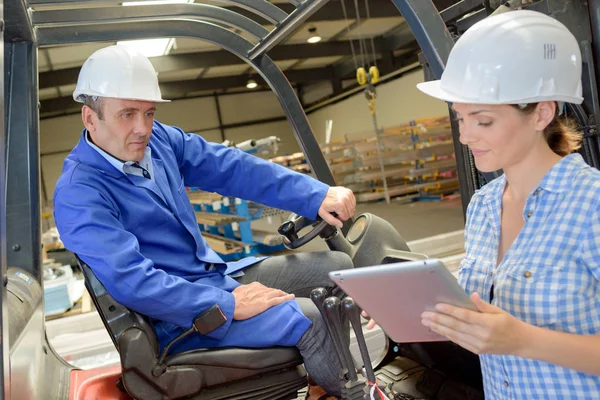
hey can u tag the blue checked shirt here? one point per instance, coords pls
(549, 277)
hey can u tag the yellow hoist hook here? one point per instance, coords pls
(361, 76)
(374, 73)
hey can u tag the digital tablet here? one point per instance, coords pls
(395, 295)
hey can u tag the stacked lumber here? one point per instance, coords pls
(223, 245)
(200, 198)
(215, 219)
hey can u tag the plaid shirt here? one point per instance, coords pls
(549, 277)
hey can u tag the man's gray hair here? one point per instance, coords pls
(95, 103)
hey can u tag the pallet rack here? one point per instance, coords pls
(226, 224)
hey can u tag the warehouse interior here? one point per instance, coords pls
(353, 67)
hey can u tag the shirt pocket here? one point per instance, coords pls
(531, 293)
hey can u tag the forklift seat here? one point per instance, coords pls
(204, 374)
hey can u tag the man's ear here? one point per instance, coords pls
(89, 118)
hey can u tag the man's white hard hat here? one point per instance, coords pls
(119, 72)
(517, 57)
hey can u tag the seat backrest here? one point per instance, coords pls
(116, 317)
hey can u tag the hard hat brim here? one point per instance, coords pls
(434, 89)
(80, 98)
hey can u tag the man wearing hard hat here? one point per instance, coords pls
(121, 206)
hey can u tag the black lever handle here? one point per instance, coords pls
(352, 311)
(318, 297)
(333, 313)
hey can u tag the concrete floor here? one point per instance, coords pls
(415, 220)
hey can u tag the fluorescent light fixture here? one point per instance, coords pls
(150, 47)
(154, 2)
(251, 84)
(314, 36)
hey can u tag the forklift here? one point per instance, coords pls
(31, 368)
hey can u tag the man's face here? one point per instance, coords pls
(125, 129)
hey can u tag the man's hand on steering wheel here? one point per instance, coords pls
(341, 201)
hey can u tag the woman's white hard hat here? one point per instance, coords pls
(118, 72)
(516, 57)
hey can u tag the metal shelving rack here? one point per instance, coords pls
(412, 157)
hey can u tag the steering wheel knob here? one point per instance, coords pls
(288, 229)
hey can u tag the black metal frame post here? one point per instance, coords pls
(436, 42)
(23, 158)
(4, 347)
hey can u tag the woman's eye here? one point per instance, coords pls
(485, 124)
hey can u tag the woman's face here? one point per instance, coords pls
(500, 136)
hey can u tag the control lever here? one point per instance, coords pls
(333, 313)
(352, 311)
(318, 297)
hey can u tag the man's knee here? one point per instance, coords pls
(336, 260)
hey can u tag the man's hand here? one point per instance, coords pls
(341, 201)
(255, 298)
(490, 331)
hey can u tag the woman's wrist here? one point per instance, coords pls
(526, 340)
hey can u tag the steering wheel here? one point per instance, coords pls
(294, 224)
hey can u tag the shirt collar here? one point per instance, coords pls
(560, 176)
(558, 179)
(115, 162)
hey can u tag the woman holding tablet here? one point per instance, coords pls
(532, 235)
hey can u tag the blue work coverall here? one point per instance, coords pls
(142, 241)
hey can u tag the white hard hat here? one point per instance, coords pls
(517, 57)
(119, 72)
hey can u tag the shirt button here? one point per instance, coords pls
(527, 274)
(506, 383)
(529, 214)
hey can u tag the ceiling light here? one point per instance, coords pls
(150, 47)
(154, 2)
(251, 84)
(314, 36)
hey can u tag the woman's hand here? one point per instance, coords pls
(489, 331)
(371, 324)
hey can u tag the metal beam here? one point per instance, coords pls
(208, 59)
(294, 76)
(252, 8)
(430, 31)
(273, 14)
(177, 89)
(120, 13)
(289, 25)
(460, 9)
(23, 171)
(18, 26)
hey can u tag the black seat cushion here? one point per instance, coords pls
(241, 358)
(220, 366)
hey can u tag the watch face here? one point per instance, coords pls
(357, 230)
